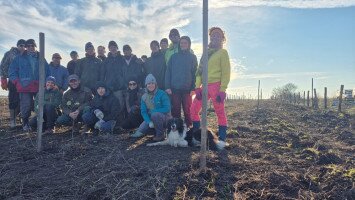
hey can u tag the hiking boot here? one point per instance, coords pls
(86, 129)
(26, 128)
(137, 134)
(158, 138)
(12, 119)
(48, 131)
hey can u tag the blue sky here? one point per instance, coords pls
(275, 41)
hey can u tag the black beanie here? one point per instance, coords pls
(112, 43)
(31, 41)
(21, 41)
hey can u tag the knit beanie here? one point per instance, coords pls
(150, 79)
(21, 41)
(31, 41)
(50, 78)
(88, 45)
(112, 43)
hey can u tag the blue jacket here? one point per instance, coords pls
(24, 72)
(180, 72)
(60, 74)
(161, 104)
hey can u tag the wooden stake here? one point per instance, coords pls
(258, 95)
(203, 153)
(315, 103)
(325, 98)
(308, 98)
(312, 92)
(340, 97)
(41, 92)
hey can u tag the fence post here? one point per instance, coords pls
(40, 92)
(304, 98)
(340, 97)
(315, 103)
(312, 93)
(258, 94)
(308, 98)
(325, 98)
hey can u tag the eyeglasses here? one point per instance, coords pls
(132, 84)
(22, 45)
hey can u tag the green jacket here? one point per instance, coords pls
(75, 100)
(51, 97)
(89, 70)
(170, 51)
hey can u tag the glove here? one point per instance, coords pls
(151, 125)
(198, 92)
(4, 83)
(221, 96)
(98, 124)
(99, 114)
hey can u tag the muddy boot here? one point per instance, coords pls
(12, 119)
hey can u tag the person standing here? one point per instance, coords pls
(24, 74)
(132, 66)
(101, 51)
(89, 68)
(180, 79)
(112, 76)
(59, 72)
(156, 65)
(72, 64)
(164, 44)
(6, 84)
(218, 78)
(174, 37)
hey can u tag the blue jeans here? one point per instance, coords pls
(159, 120)
(90, 119)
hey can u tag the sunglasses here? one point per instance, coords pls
(132, 84)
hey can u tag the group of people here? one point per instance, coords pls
(118, 91)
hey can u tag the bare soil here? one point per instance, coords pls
(276, 152)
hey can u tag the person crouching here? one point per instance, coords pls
(52, 99)
(104, 110)
(155, 110)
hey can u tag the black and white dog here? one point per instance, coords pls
(193, 137)
(176, 134)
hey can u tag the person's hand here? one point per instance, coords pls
(4, 83)
(168, 91)
(151, 124)
(198, 92)
(221, 96)
(99, 114)
(74, 114)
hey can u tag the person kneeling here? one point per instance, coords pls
(74, 103)
(155, 109)
(104, 110)
(52, 99)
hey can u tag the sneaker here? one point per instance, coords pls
(137, 134)
(222, 144)
(48, 131)
(26, 128)
(86, 129)
(158, 138)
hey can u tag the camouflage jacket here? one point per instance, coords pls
(6, 61)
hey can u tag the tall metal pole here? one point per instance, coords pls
(205, 90)
(41, 92)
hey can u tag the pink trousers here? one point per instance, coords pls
(213, 89)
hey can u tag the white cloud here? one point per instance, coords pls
(283, 3)
(99, 21)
